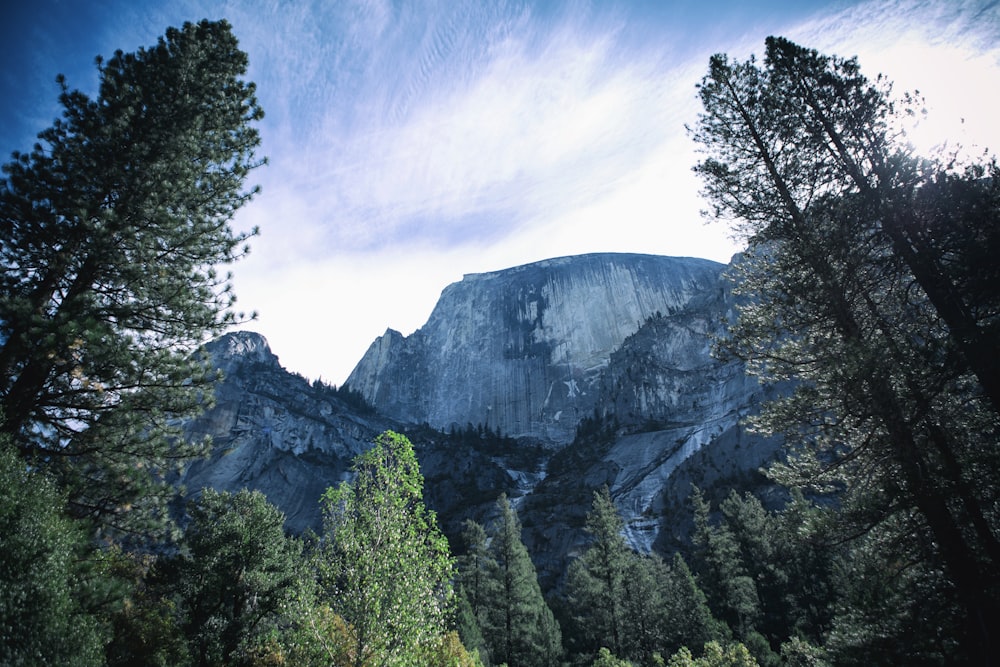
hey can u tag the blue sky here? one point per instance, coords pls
(413, 142)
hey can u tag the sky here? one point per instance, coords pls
(411, 143)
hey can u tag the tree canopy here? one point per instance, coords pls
(384, 565)
(111, 233)
(858, 298)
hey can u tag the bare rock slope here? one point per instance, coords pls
(523, 350)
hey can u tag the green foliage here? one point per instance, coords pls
(42, 621)
(474, 587)
(728, 586)
(147, 628)
(384, 565)
(889, 347)
(607, 659)
(596, 582)
(639, 604)
(237, 573)
(687, 618)
(516, 624)
(112, 230)
(716, 655)
(449, 651)
(792, 571)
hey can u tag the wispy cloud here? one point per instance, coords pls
(413, 142)
(532, 120)
(409, 148)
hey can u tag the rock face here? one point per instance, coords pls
(523, 350)
(274, 432)
(574, 372)
(668, 417)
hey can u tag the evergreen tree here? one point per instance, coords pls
(146, 628)
(596, 581)
(42, 621)
(886, 343)
(473, 587)
(111, 230)
(686, 617)
(731, 592)
(520, 629)
(888, 606)
(236, 573)
(384, 565)
(642, 606)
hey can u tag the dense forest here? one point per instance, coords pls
(868, 300)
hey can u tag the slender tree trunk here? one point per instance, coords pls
(983, 615)
(980, 352)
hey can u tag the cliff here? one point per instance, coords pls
(573, 373)
(523, 350)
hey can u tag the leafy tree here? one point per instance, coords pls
(384, 565)
(520, 629)
(449, 650)
(41, 619)
(112, 229)
(716, 655)
(893, 397)
(236, 573)
(606, 658)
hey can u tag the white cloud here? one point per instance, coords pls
(948, 51)
(408, 150)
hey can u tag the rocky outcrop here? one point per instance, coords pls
(275, 432)
(575, 373)
(523, 350)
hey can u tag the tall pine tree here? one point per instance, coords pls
(520, 629)
(111, 232)
(596, 580)
(887, 345)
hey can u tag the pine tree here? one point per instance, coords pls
(596, 581)
(473, 586)
(111, 231)
(384, 565)
(686, 617)
(782, 553)
(722, 574)
(520, 629)
(236, 573)
(894, 394)
(42, 620)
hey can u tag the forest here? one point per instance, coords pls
(868, 301)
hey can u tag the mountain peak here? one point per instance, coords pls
(522, 349)
(241, 347)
